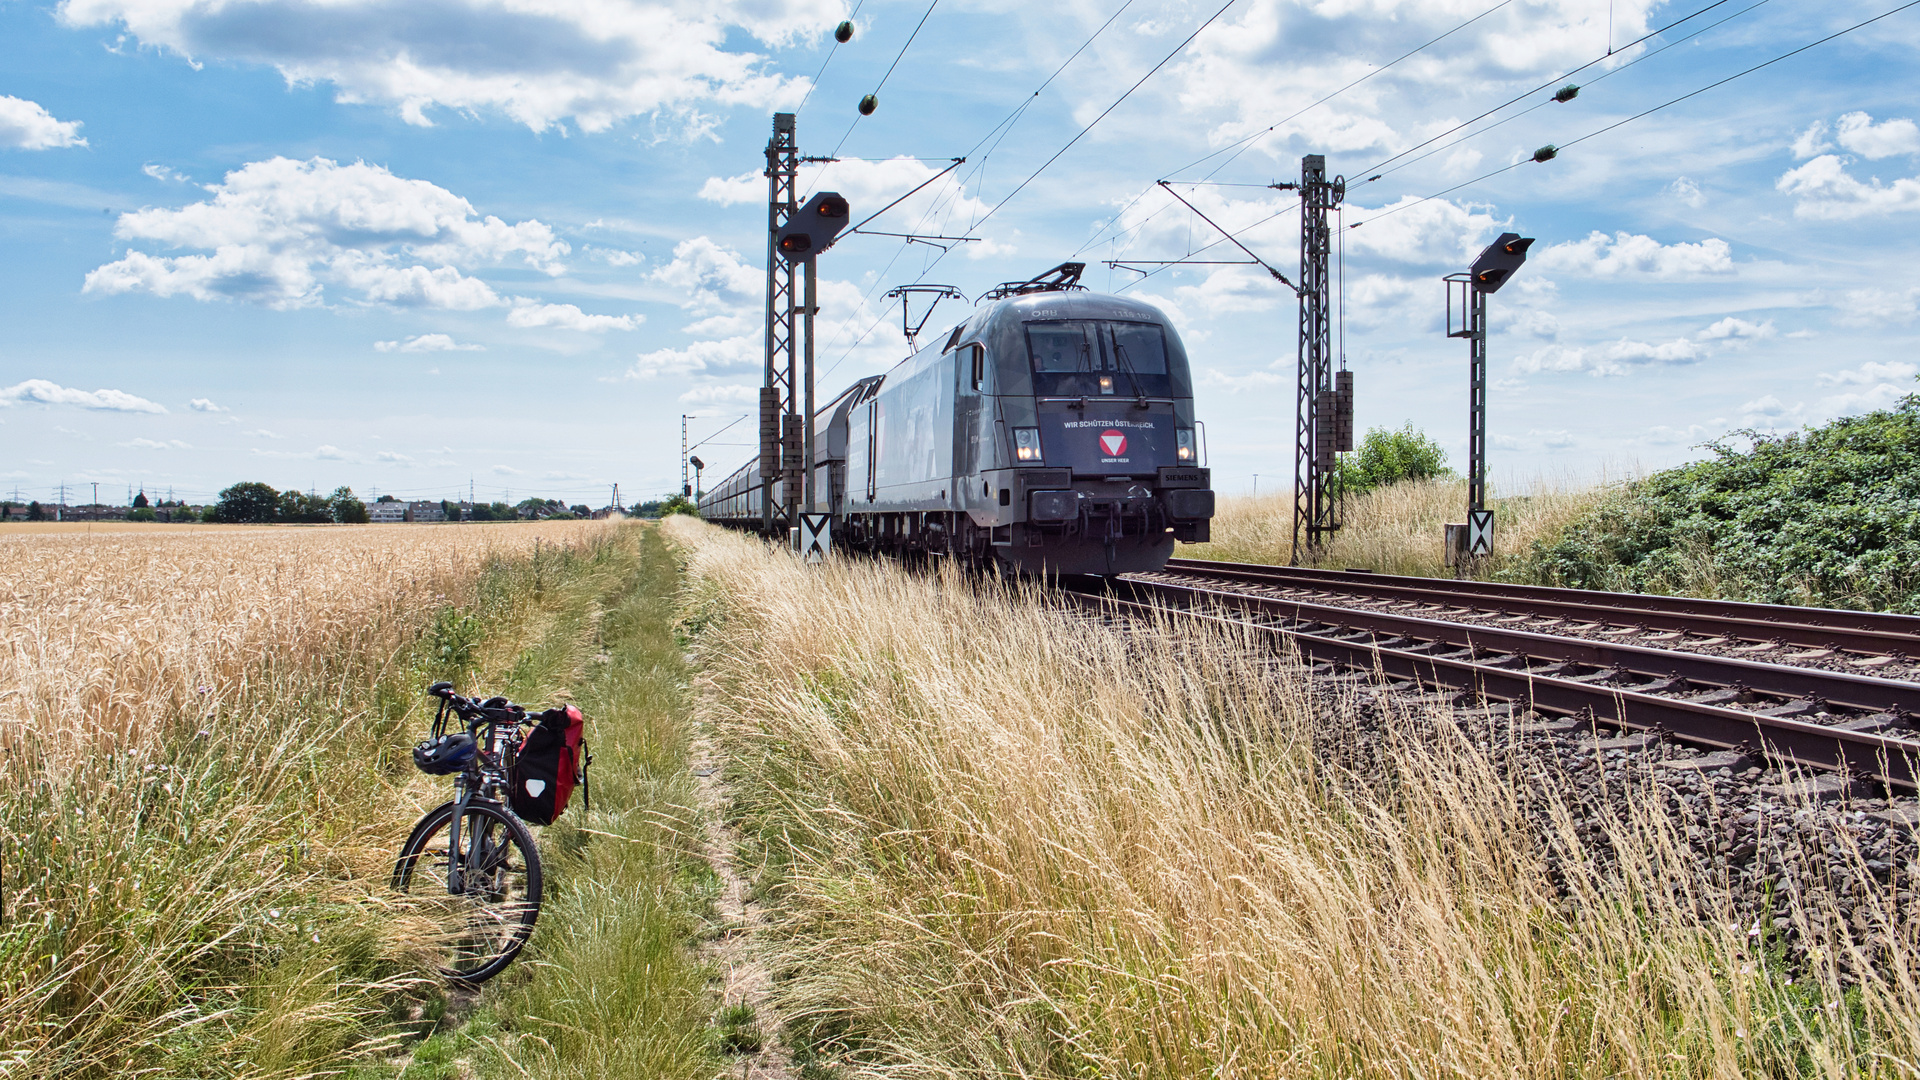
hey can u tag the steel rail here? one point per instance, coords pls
(1872, 633)
(1397, 645)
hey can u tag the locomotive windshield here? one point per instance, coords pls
(1088, 346)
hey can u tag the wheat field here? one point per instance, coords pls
(205, 780)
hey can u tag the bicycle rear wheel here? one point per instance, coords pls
(478, 931)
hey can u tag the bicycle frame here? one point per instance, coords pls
(486, 775)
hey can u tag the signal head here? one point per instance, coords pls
(1498, 261)
(812, 228)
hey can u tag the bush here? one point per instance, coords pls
(1828, 516)
(679, 504)
(1388, 457)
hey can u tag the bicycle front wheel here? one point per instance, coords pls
(478, 929)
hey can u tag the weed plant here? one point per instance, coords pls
(1003, 839)
(1399, 528)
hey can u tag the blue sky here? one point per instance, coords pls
(411, 247)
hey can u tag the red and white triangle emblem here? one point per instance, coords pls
(1113, 442)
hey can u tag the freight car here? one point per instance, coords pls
(1051, 432)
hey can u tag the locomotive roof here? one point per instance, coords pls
(1075, 305)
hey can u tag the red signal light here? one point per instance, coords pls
(796, 244)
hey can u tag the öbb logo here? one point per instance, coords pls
(1113, 442)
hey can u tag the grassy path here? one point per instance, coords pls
(613, 983)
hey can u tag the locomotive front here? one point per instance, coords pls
(1101, 472)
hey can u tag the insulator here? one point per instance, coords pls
(844, 32)
(868, 104)
(1546, 153)
(1566, 93)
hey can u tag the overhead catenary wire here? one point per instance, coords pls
(1558, 148)
(883, 79)
(1044, 165)
(1381, 167)
(1244, 140)
(815, 85)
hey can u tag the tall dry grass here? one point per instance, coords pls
(1004, 840)
(205, 781)
(1398, 529)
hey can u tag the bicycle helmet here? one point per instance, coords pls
(444, 755)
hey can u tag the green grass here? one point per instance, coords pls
(609, 986)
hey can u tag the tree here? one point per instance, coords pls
(300, 508)
(386, 498)
(345, 509)
(247, 503)
(679, 504)
(140, 500)
(35, 512)
(1388, 457)
(142, 513)
(582, 511)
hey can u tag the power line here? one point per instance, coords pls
(883, 79)
(1245, 140)
(1104, 112)
(1554, 151)
(1381, 166)
(815, 85)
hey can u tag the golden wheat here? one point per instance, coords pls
(102, 632)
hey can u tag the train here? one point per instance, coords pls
(1050, 433)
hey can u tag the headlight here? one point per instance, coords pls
(1026, 444)
(1183, 442)
(1106, 384)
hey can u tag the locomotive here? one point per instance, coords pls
(1052, 432)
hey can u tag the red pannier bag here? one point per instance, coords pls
(551, 761)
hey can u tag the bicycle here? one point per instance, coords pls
(474, 845)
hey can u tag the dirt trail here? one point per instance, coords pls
(746, 979)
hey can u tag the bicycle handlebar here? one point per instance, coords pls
(494, 708)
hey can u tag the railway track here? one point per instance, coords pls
(1550, 651)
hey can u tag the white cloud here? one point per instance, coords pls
(165, 175)
(1662, 435)
(201, 404)
(279, 231)
(1628, 253)
(1537, 323)
(713, 278)
(728, 356)
(1870, 373)
(1811, 141)
(1733, 328)
(155, 444)
(719, 394)
(1252, 380)
(1432, 233)
(1687, 191)
(263, 433)
(1827, 192)
(329, 453)
(389, 457)
(42, 392)
(614, 256)
(1874, 307)
(427, 343)
(1770, 413)
(594, 62)
(1858, 133)
(1536, 439)
(1612, 359)
(569, 317)
(24, 125)
(940, 207)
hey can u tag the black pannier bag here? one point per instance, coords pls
(552, 759)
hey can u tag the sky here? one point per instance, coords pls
(433, 247)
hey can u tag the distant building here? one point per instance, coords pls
(386, 512)
(425, 510)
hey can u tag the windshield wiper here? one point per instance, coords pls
(1120, 353)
